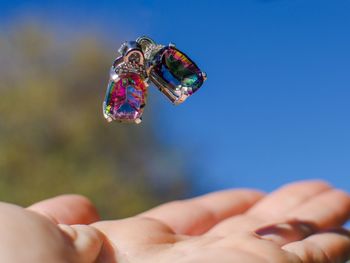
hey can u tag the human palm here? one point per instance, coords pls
(298, 223)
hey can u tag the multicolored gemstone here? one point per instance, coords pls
(125, 98)
(140, 63)
(176, 74)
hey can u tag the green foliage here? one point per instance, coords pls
(54, 140)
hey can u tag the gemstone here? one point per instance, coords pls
(125, 98)
(176, 73)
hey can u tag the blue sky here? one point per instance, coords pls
(275, 107)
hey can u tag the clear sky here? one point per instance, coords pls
(275, 107)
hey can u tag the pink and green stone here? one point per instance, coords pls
(176, 74)
(125, 98)
(178, 70)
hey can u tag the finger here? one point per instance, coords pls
(273, 208)
(250, 243)
(327, 210)
(278, 203)
(197, 215)
(323, 247)
(67, 209)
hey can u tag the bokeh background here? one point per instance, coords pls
(275, 107)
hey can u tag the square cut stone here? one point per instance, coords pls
(175, 74)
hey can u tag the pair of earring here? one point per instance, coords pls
(143, 62)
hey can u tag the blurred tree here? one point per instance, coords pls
(54, 140)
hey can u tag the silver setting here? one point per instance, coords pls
(142, 57)
(148, 46)
(204, 75)
(131, 60)
(127, 67)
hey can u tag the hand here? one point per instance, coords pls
(32, 235)
(300, 222)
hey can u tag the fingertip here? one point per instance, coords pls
(342, 195)
(90, 209)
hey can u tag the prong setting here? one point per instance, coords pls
(204, 75)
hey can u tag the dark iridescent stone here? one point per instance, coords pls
(125, 98)
(176, 73)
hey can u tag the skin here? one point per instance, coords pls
(300, 222)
